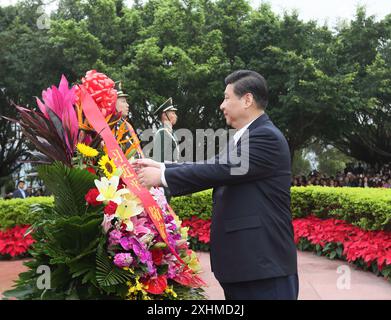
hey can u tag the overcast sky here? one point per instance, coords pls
(321, 10)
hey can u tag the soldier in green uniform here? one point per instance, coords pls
(165, 142)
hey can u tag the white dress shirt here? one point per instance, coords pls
(240, 132)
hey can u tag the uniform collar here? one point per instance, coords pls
(167, 125)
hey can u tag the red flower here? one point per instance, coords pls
(102, 91)
(157, 256)
(110, 208)
(91, 196)
(14, 243)
(156, 285)
(189, 279)
(121, 184)
(91, 170)
(198, 228)
(368, 246)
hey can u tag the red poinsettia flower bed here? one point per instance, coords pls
(370, 250)
(337, 238)
(13, 243)
(198, 228)
(199, 232)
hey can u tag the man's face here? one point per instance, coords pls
(233, 107)
(122, 106)
(21, 185)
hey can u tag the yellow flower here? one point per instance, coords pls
(107, 166)
(193, 262)
(135, 289)
(87, 150)
(170, 291)
(129, 207)
(128, 269)
(184, 232)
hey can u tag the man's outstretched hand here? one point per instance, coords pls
(149, 172)
(139, 163)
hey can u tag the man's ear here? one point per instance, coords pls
(248, 99)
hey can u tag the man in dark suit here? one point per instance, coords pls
(253, 254)
(19, 192)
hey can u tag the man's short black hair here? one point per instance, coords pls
(247, 81)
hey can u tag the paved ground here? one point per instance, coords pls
(319, 280)
(9, 271)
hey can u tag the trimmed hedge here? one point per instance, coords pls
(198, 204)
(369, 209)
(17, 212)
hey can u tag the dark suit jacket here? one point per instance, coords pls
(251, 233)
(18, 194)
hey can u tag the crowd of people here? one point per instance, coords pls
(353, 176)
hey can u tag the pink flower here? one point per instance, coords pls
(61, 102)
(122, 260)
(114, 237)
(139, 226)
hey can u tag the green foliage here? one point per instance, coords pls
(107, 273)
(198, 204)
(300, 165)
(367, 208)
(197, 245)
(67, 237)
(330, 159)
(69, 186)
(68, 246)
(70, 240)
(186, 294)
(21, 211)
(330, 84)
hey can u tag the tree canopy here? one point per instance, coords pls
(329, 84)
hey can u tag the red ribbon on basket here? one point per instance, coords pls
(129, 176)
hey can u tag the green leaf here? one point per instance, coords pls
(68, 185)
(107, 274)
(333, 255)
(339, 251)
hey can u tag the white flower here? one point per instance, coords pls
(108, 190)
